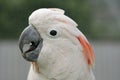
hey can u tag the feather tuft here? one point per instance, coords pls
(35, 67)
(87, 49)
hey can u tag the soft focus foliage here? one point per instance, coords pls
(14, 14)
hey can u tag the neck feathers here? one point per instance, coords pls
(87, 49)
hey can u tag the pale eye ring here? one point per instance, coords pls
(53, 32)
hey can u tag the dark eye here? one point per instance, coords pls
(53, 32)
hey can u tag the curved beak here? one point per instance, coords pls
(31, 37)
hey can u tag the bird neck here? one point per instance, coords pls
(34, 73)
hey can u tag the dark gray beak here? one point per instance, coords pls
(31, 37)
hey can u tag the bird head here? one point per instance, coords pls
(50, 31)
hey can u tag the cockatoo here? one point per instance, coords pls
(58, 49)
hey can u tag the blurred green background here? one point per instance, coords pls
(98, 19)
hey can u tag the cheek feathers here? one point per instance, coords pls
(87, 49)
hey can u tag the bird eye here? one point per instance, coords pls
(53, 32)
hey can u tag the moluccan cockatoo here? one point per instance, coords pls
(58, 50)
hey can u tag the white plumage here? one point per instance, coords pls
(65, 56)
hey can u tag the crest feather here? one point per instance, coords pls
(87, 49)
(57, 10)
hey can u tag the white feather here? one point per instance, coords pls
(61, 57)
